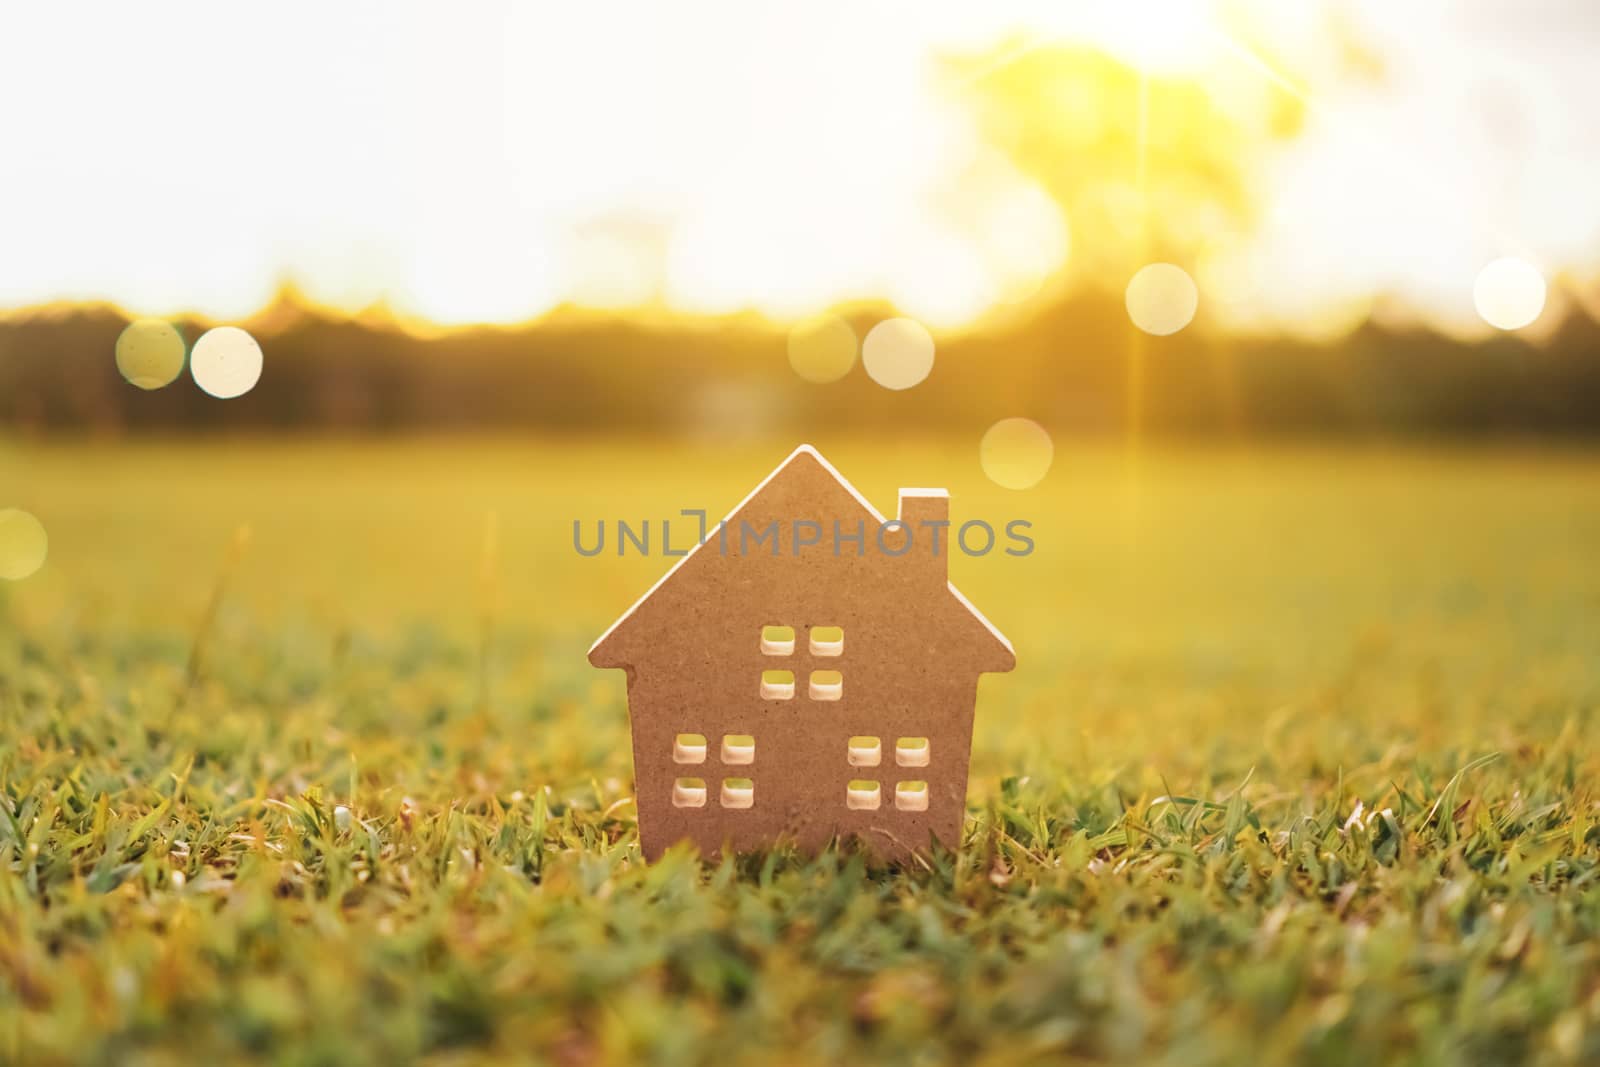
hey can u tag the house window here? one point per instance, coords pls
(911, 752)
(822, 641)
(689, 793)
(827, 640)
(911, 796)
(738, 748)
(777, 640)
(689, 748)
(777, 685)
(864, 752)
(827, 685)
(862, 795)
(738, 793)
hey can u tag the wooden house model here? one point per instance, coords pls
(806, 671)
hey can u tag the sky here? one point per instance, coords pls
(486, 162)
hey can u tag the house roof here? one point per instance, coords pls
(802, 454)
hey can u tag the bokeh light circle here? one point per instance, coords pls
(150, 353)
(226, 362)
(1016, 453)
(898, 353)
(822, 349)
(23, 544)
(1162, 298)
(1509, 293)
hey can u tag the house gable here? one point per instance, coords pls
(803, 542)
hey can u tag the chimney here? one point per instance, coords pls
(926, 513)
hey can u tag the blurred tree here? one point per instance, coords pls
(1143, 167)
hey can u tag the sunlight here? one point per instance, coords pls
(1016, 453)
(1509, 293)
(822, 349)
(492, 162)
(898, 353)
(23, 544)
(226, 362)
(150, 353)
(1155, 35)
(1161, 299)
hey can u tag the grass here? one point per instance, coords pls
(1298, 765)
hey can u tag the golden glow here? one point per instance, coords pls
(150, 353)
(23, 545)
(226, 362)
(490, 162)
(822, 349)
(898, 353)
(1016, 453)
(1509, 293)
(1156, 35)
(1161, 299)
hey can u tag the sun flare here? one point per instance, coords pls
(488, 165)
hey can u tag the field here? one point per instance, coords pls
(302, 762)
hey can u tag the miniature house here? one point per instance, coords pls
(806, 671)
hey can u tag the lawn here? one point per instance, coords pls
(302, 762)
